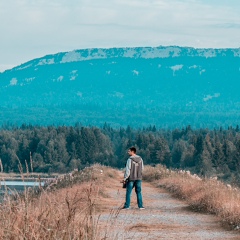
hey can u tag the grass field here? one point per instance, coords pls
(68, 207)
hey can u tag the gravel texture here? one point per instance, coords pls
(163, 218)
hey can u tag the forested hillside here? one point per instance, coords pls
(61, 149)
(165, 86)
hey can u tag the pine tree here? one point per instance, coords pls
(218, 156)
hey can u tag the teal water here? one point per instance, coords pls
(20, 183)
(17, 185)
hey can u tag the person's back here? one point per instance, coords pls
(133, 178)
(136, 168)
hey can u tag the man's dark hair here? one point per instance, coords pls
(133, 149)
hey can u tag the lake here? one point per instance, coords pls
(17, 185)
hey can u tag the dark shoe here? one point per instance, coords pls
(126, 208)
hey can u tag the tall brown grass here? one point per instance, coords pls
(202, 194)
(63, 209)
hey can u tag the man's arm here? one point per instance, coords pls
(128, 169)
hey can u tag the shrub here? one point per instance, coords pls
(207, 194)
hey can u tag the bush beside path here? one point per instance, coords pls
(165, 217)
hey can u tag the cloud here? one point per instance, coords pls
(31, 29)
(227, 25)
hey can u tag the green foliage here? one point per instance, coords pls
(53, 149)
(62, 149)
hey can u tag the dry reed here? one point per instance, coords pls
(205, 195)
(63, 209)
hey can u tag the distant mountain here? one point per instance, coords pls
(163, 86)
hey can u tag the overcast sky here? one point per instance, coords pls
(34, 28)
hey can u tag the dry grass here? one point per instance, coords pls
(151, 174)
(64, 209)
(208, 195)
(59, 215)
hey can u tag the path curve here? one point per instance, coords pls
(164, 217)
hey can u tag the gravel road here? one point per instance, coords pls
(163, 218)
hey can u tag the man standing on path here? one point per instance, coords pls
(133, 178)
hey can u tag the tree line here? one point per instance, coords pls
(64, 148)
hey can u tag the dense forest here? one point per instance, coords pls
(63, 148)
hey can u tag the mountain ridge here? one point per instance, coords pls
(131, 52)
(166, 86)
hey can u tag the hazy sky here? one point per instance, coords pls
(34, 28)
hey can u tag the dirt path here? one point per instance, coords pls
(163, 218)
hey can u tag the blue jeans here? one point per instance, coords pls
(137, 184)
